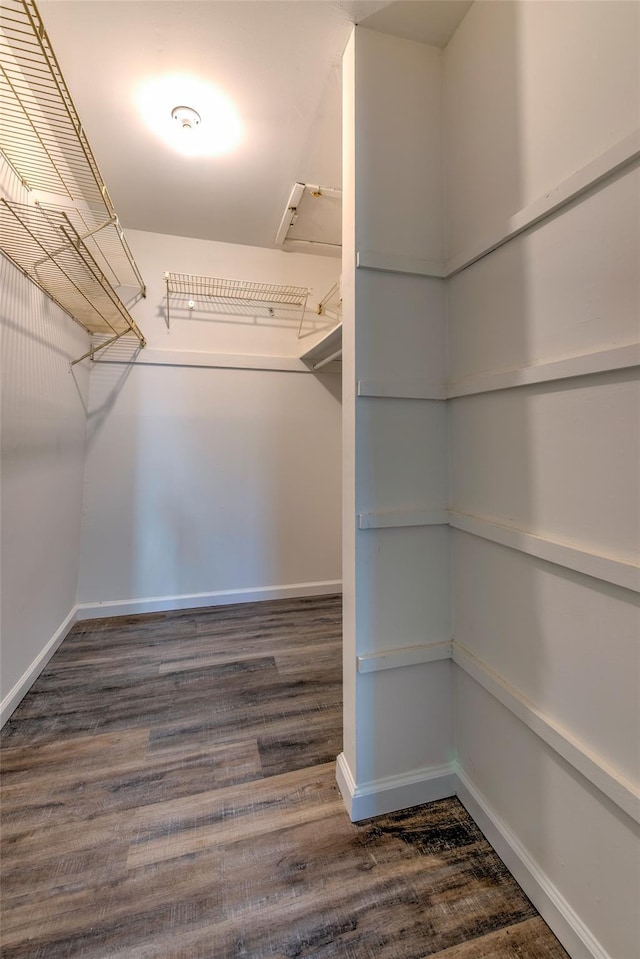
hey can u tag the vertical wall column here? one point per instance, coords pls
(396, 561)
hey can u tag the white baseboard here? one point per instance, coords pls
(28, 678)
(552, 906)
(395, 792)
(440, 782)
(225, 597)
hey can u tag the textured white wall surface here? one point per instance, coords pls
(572, 282)
(533, 92)
(581, 844)
(207, 480)
(202, 480)
(43, 445)
(398, 146)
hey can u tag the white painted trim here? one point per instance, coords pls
(593, 767)
(588, 364)
(224, 597)
(312, 247)
(288, 217)
(404, 656)
(28, 678)
(324, 345)
(392, 519)
(570, 367)
(402, 389)
(210, 361)
(441, 782)
(346, 782)
(622, 154)
(394, 792)
(607, 568)
(392, 263)
(598, 171)
(552, 906)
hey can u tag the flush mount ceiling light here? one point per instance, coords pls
(187, 117)
(213, 130)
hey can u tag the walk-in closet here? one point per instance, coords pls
(320, 469)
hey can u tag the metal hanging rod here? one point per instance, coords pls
(337, 355)
(271, 295)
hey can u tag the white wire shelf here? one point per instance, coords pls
(45, 244)
(76, 253)
(188, 288)
(103, 238)
(42, 136)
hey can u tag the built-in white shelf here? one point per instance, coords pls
(327, 349)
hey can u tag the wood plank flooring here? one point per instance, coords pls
(168, 792)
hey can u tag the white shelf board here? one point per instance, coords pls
(329, 346)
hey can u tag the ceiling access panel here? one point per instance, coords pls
(312, 221)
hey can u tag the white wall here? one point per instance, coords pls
(398, 717)
(204, 469)
(43, 443)
(207, 484)
(518, 123)
(533, 92)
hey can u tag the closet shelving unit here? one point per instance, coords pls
(185, 289)
(329, 348)
(72, 247)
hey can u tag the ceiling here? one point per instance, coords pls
(277, 61)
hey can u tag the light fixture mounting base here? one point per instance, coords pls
(187, 117)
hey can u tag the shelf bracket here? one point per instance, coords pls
(96, 349)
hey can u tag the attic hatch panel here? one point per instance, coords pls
(312, 221)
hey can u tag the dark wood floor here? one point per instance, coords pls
(168, 791)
